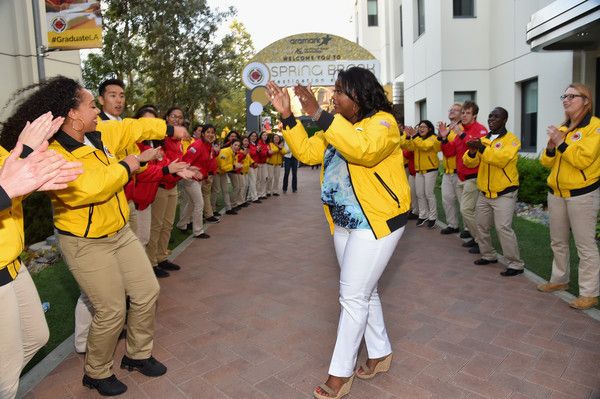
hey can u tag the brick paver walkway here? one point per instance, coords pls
(253, 314)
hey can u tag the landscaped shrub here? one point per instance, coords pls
(38, 218)
(532, 181)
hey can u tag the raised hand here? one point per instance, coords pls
(443, 129)
(180, 132)
(40, 130)
(280, 99)
(410, 131)
(555, 136)
(307, 99)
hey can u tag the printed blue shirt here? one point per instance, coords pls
(337, 192)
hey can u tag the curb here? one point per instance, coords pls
(62, 351)
(531, 276)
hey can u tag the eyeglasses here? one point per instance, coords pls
(570, 96)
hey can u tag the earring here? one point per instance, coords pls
(73, 125)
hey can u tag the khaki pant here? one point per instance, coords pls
(252, 194)
(450, 197)
(425, 187)
(273, 174)
(23, 330)
(84, 314)
(108, 269)
(144, 222)
(163, 215)
(261, 180)
(414, 202)
(215, 190)
(236, 192)
(194, 208)
(498, 212)
(133, 217)
(223, 184)
(206, 194)
(579, 214)
(244, 180)
(468, 205)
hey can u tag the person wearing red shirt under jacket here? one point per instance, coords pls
(253, 172)
(197, 155)
(208, 136)
(262, 153)
(468, 130)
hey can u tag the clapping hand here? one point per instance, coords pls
(410, 131)
(150, 154)
(443, 129)
(555, 137)
(40, 130)
(280, 99)
(307, 99)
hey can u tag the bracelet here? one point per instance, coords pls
(315, 117)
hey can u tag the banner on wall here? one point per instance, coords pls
(73, 24)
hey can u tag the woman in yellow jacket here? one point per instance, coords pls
(274, 161)
(426, 146)
(366, 201)
(573, 154)
(24, 328)
(225, 162)
(90, 216)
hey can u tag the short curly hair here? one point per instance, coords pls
(57, 95)
(362, 87)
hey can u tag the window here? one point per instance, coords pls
(462, 96)
(401, 35)
(420, 17)
(422, 108)
(464, 8)
(529, 110)
(372, 12)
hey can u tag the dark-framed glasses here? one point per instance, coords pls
(570, 96)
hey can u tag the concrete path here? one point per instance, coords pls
(253, 314)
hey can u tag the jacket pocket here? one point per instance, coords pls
(388, 189)
(506, 174)
(89, 223)
(583, 175)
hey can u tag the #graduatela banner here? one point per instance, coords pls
(73, 24)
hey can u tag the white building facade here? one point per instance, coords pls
(18, 65)
(452, 50)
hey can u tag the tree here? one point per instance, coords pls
(167, 54)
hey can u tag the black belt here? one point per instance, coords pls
(469, 177)
(580, 191)
(422, 172)
(5, 276)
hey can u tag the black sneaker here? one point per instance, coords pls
(149, 367)
(263, 197)
(449, 230)
(203, 235)
(257, 201)
(474, 249)
(213, 219)
(109, 386)
(160, 273)
(166, 265)
(431, 223)
(421, 222)
(245, 205)
(469, 244)
(237, 208)
(412, 216)
(268, 195)
(231, 212)
(275, 194)
(465, 234)
(511, 272)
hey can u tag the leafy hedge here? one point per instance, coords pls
(532, 181)
(38, 218)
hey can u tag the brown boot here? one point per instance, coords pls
(584, 302)
(551, 287)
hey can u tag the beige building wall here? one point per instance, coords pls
(18, 66)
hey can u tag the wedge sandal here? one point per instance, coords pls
(381, 367)
(344, 390)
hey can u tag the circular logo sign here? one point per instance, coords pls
(59, 24)
(255, 74)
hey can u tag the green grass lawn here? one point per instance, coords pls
(534, 245)
(56, 285)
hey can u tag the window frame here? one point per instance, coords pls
(375, 16)
(454, 15)
(529, 145)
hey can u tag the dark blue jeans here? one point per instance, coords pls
(290, 163)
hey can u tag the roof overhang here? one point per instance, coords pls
(565, 25)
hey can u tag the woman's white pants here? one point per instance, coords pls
(362, 260)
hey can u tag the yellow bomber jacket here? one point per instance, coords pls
(277, 157)
(426, 152)
(94, 204)
(497, 162)
(449, 163)
(12, 239)
(248, 161)
(371, 148)
(225, 160)
(575, 164)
